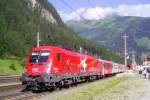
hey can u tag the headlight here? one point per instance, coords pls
(47, 69)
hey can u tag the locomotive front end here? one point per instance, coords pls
(38, 67)
(37, 62)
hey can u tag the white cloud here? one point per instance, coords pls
(134, 10)
(141, 10)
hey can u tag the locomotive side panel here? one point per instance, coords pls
(92, 66)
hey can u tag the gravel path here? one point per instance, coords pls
(147, 95)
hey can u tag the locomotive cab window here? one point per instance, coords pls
(39, 57)
(59, 57)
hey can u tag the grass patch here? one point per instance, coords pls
(10, 66)
(93, 90)
(132, 89)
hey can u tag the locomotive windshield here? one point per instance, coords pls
(39, 57)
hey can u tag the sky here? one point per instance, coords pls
(98, 9)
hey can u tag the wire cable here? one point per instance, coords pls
(93, 8)
(66, 4)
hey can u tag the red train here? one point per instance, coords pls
(49, 67)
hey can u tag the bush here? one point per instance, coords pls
(12, 66)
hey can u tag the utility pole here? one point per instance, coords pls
(125, 49)
(133, 59)
(38, 39)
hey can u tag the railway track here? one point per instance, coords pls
(17, 92)
(9, 87)
(9, 79)
(23, 95)
(12, 89)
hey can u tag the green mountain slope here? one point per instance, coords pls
(20, 20)
(108, 31)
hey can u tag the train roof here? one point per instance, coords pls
(48, 48)
(105, 61)
(109, 61)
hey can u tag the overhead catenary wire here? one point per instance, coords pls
(82, 17)
(91, 4)
(67, 5)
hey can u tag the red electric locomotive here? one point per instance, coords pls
(50, 67)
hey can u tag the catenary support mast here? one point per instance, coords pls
(125, 49)
(38, 40)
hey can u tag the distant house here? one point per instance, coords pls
(146, 60)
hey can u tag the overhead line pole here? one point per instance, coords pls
(38, 39)
(125, 49)
(133, 60)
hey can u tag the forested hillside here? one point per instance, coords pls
(20, 20)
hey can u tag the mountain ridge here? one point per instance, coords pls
(109, 32)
